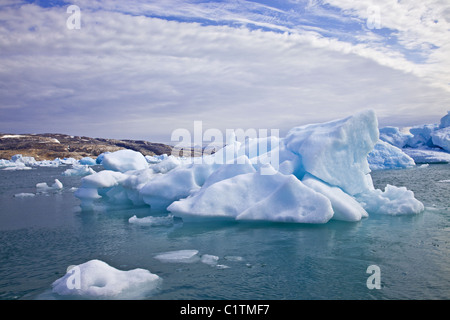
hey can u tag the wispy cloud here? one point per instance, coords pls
(140, 69)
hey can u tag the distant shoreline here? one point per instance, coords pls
(49, 146)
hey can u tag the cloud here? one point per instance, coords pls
(126, 75)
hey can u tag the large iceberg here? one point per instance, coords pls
(315, 173)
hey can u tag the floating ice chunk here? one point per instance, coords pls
(387, 156)
(393, 201)
(234, 258)
(57, 184)
(95, 279)
(209, 259)
(87, 161)
(441, 138)
(345, 207)
(336, 152)
(179, 256)
(78, 170)
(19, 159)
(153, 221)
(124, 160)
(24, 195)
(43, 186)
(254, 196)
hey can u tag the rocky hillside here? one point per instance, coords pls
(51, 146)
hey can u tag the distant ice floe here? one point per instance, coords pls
(190, 256)
(19, 162)
(322, 173)
(153, 221)
(96, 279)
(24, 195)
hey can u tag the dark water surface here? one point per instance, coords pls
(41, 236)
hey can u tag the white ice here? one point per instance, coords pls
(24, 195)
(44, 187)
(78, 170)
(387, 156)
(392, 201)
(154, 221)
(96, 279)
(323, 173)
(179, 256)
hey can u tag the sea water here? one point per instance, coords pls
(42, 235)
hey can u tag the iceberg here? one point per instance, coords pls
(322, 173)
(43, 187)
(96, 279)
(429, 143)
(387, 156)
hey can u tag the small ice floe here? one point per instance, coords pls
(163, 221)
(24, 195)
(190, 256)
(210, 259)
(78, 170)
(233, 258)
(96, 279)
(444, 181)
(43, 186)
(179, 256)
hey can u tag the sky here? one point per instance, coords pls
(141, 69)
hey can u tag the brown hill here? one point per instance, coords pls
(50, 146)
